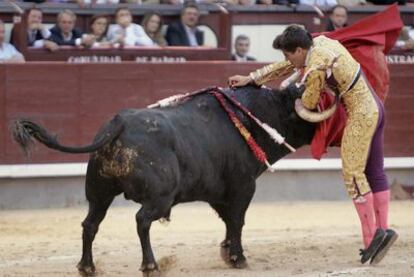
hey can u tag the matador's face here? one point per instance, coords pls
(297, 57)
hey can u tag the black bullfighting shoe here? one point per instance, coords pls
(367, 254)
(390, 238)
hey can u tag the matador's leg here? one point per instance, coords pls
(355, 146)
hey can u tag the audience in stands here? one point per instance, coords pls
(127, 33)
(241, 49)
(152, 24)
(182, 33)
(64, 32)
(99, 27)
(185, 32)
(338, 18)
(8, 53)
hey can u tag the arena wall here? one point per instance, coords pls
(73, 100)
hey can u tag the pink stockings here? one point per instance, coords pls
(373, 213)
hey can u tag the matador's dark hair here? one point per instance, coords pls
(292, 37)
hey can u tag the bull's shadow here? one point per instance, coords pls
(164, 156)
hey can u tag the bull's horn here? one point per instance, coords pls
(291, 79)
(314, 117)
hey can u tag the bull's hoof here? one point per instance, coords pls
(238, 262)
(150, 270)
(225, 254)
(86, 270)
(153, 273)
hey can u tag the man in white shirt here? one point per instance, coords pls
(8, 52)
(127, 33)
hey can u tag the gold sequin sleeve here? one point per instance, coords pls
(319, 60)
(314, 85)
(271, 72)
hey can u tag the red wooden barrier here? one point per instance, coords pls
(73, 100)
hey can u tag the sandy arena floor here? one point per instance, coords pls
(280, 239)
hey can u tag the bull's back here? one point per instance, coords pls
(192, 146)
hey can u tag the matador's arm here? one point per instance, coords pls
(271, 72)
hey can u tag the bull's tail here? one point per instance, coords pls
(24, 131)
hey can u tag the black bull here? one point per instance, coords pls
(165, 156)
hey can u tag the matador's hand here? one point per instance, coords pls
(239, 80)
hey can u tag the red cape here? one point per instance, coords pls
(368, 40)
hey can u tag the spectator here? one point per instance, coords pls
(37, 33)
(406, 39)
(185, 32)
(338, 18)
(319, 3)
(152, 24)
(127, 33)
(99, 28)
(64, 33)
(241, 47)
(8, 52)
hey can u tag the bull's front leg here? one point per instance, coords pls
(237, 258)
(223, 212)
(239, 203)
